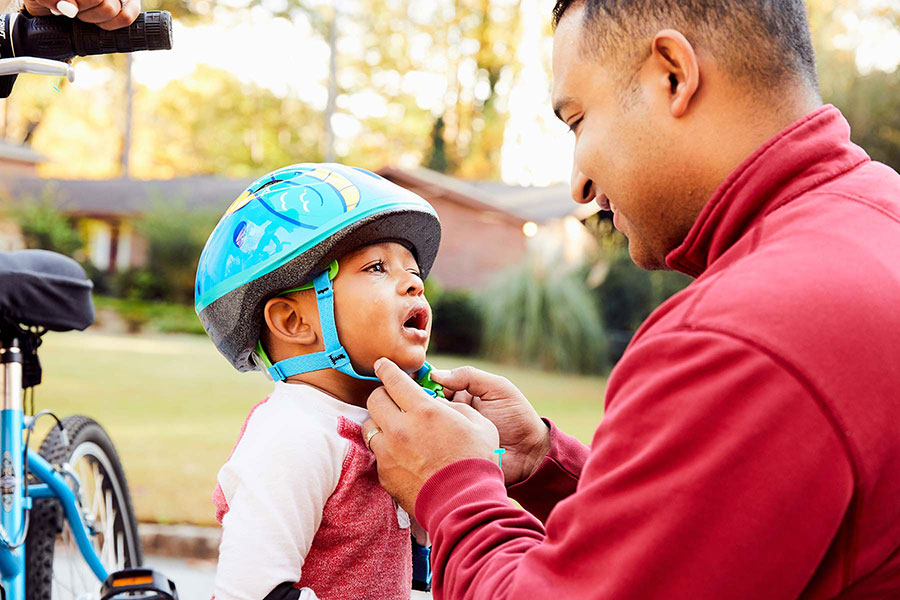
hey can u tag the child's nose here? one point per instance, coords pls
(413, 285)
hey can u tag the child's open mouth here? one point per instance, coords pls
(416, 323)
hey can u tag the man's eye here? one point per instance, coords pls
(574, 125)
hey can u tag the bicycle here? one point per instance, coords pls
(69, 501)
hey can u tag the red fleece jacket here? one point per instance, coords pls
(751, 442)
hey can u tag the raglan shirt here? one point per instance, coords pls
(301, 507)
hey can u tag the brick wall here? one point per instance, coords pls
(475, 244)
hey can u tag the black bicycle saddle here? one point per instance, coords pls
(45, 289)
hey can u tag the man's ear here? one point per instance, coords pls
(676, 69)
(289, 321)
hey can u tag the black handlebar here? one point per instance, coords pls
(61, 38)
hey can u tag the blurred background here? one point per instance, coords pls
(129, 168)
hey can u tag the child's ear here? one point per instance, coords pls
(289, 322)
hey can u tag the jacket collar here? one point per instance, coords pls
(806, 154)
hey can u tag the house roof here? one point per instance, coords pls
(19, 152)
(131, 197)
(128, 197)
(527, 203)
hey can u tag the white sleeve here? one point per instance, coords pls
(276, 485)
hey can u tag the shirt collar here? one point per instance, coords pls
(316, 399)
(806, 154)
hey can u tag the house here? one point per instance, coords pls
(105, 211)
(487, 227)
(18, 160)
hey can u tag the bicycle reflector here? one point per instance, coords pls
(143, 584)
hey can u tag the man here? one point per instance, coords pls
(751, 442)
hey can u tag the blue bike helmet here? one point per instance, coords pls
(287, 229)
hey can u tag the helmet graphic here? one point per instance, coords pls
(285, 230)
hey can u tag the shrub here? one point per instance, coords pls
(544, 316)
(43, 226)
(457, 323)
(628, 294)
(157, 317)
(175, 238)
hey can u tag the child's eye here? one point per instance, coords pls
(416, 273)
(377, 267)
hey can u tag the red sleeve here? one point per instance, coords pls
(557, 476)
(714, 474)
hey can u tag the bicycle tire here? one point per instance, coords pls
(89, 446)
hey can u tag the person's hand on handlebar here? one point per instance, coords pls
(107, 14)
(523, 434)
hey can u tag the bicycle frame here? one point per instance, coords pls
(13, 501)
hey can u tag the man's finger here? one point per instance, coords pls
(460, 397)
(382, 408)
(367, 432)
(405, 392)
(474, 381)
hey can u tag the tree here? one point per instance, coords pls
(870, 101)
(213, 123)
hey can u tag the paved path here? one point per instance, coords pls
(194, 578)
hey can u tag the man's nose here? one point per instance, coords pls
(583, 190)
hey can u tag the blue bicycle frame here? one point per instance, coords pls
(13, 501)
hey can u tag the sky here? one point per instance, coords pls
(291, 59)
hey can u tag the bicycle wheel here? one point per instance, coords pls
(55, 569)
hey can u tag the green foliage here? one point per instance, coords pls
(627, 294)
(175, 237)
(546, 317)
(437, 159)
(871, 101)
(147, 316)
(457, 324)
(469, 44)
(211, 122)
(44, 226)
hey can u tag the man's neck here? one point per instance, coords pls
(343, 387)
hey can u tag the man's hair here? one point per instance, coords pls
(765, 43)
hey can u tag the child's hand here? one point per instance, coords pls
(420, 434)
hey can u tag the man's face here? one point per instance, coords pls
(627, 150)
(380, 307)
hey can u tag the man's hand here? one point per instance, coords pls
(107, 14)
(522, 432)
(421, 434)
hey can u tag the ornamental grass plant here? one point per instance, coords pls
(542, 314)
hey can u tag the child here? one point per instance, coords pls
(315, 272)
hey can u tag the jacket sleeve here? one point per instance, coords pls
(555, 478)
(275, 484)
(714, 474)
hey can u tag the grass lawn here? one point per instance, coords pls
(174, 408)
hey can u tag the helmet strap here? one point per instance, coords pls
(334, 356)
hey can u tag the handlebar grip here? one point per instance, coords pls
(61, 38)
(152, 30)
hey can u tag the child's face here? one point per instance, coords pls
(380, 307)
